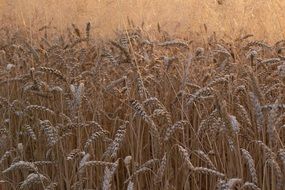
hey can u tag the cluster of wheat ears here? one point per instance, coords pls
(140, 111)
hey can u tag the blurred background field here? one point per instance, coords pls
(232, 18)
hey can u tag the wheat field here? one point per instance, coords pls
(138, 104)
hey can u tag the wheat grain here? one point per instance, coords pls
(108, 174)
(115, 145)
(184, 153)
(21, 165)
(251, 166)
(33, 178)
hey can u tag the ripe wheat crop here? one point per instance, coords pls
(140, 111)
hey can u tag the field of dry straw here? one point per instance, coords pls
(138, 104)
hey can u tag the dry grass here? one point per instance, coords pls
(143, 109)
